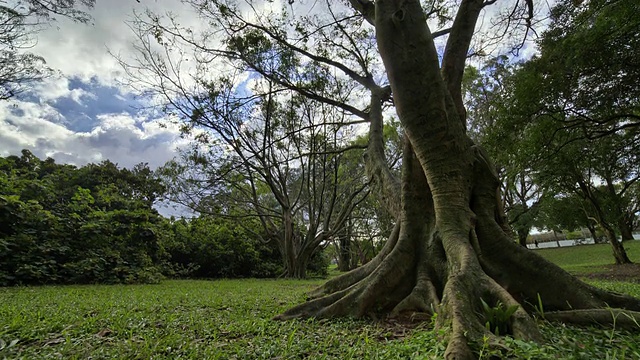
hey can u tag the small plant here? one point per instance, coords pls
(539, 307)
(497, 317)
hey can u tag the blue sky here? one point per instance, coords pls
(84, 114)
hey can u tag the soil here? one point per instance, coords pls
(626, 272)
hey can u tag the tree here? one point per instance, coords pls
(571, 116)
(581, 83)
(567, 212)
(450, 249)
(590, 59)
(275, 158)
(603, 172)
(20, 21)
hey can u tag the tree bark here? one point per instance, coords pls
(594, 234)
(625, 230)
(344, 248)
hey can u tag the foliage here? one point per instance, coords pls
(488, 94)
(62, 224)
(497, 317)
(214, 247)
(567, 118)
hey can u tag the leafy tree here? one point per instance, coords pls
(272, 160)
(567, 212)
(590, 58)
(450, 249)
(569, 113)
(61, 224)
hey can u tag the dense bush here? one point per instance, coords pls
(210, 247)
(62, 224)
(97, 224)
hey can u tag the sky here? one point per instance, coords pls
(83, 114)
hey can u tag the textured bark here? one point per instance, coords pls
(450, 249)
(344, 248)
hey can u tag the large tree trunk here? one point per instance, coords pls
(450, 249)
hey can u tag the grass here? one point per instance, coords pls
(225, 319)
(588, 258)
(231, 319)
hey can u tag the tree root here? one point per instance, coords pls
(616, 318)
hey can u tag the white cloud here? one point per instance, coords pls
(82, 50)
(117, 137)
(40, 121)
(57, 87)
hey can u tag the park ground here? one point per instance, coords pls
(231, 319)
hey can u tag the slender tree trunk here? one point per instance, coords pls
(344, 255)
(522, 237)
(594, 234)
(619, 252)
(555, 236)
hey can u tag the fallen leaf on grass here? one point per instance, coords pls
(104, 332)
(54, 341)
(4, 345)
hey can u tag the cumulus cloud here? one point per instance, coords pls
(84, 114)
(82, 50)
(121, 138)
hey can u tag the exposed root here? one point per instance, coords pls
(616, 318)
(458, 347)
(423, 298)
(312, 308)
(523, 326)
(458, 310)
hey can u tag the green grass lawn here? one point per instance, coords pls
(231, 319)
(588, 258)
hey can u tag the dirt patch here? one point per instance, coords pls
(626, 272)
(399, 327)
